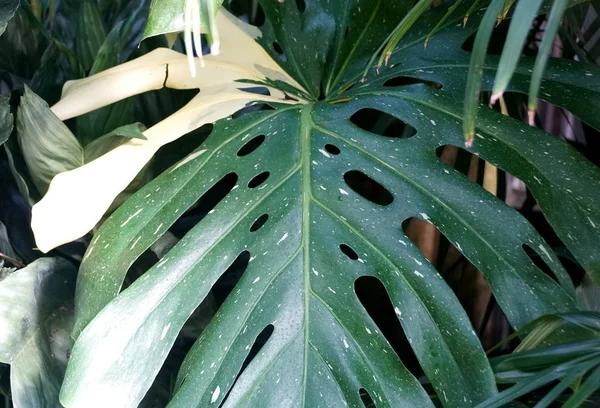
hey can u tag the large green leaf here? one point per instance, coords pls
(35, 323)
(307, 180)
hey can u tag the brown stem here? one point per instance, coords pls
(12, 260)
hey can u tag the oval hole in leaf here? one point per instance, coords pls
(227, 281)
(259, 343)
(260, 221)
(177, 150)
(381, 123)
(205, 204)
(251, 146)
(470, 165)
(279, 51)
(349, 252)
(301, 4)
(368, 188)
(346, 32)
(258, 180)
(332, 149)
(366, 399)
(406, 80)
(374, 297)
(537, 259)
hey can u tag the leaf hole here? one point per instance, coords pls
(260, 221)
(261, 340)
(332, 149)
(346, 33)
(383, 124)
(374, 297)
(259, 179)
(220, 292)
(349, 252)
(497, 41)
(301, 4)
(205, 204)
(259, 90)
(366, 398)
(227, 281)
(279, 51)
(539, 261)
(406, 80)
(251, 146)
(468, 284)
(177, 150)
(368, 188)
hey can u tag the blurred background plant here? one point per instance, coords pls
(47, 42)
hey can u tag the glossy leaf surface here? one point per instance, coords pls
(298, 208)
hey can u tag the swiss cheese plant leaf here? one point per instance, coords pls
(313, 201)
(35, 321)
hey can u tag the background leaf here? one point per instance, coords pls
(6, 120)
(35, 323)
(7, 11)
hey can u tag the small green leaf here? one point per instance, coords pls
(47, 144)
(442, 21)
(554, 20)
(520, 25)
(35, 324)
(484, 33)
(402, 28)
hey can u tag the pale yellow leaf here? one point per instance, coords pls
(77, 199)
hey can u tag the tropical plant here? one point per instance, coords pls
(310, 195)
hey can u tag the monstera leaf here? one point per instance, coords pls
(300, 212)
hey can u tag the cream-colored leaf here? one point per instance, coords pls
(240, 57)
(77, 199)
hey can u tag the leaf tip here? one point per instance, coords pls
(531, 117)
(495, 96)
